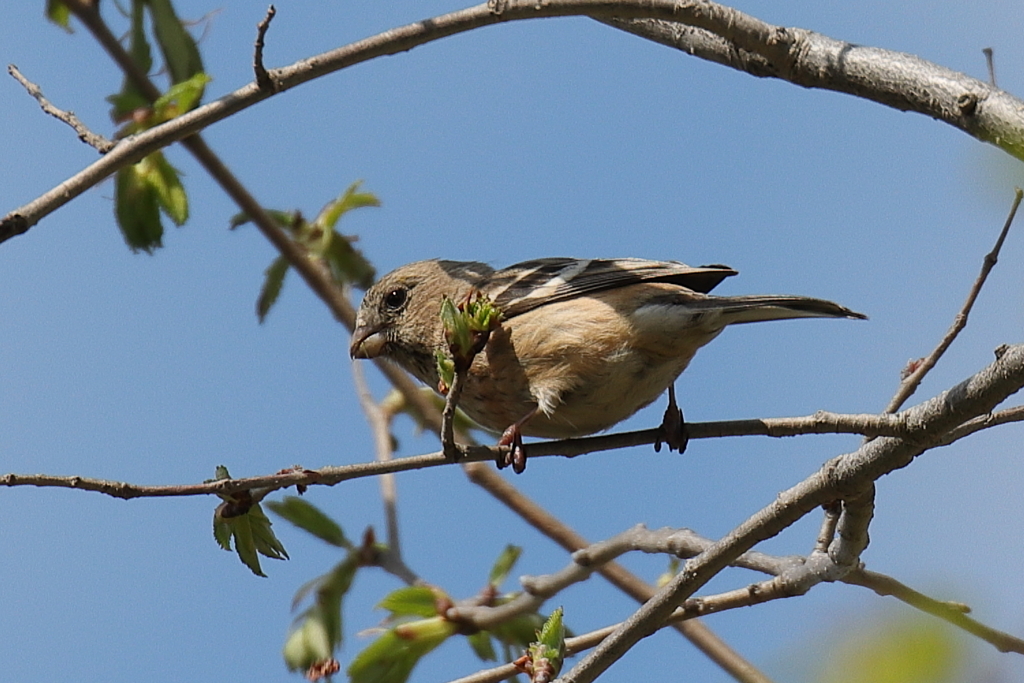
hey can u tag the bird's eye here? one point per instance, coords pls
(396, 298)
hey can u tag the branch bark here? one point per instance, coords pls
(701, 28)
(844, 477)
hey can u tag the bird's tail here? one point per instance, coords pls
(751, 309)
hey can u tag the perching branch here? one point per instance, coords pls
(819, 423)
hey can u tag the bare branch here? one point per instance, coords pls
(819, 423)
(94, 140)
(448, 444)
(380, 428)
(727, 36)
(842, 477)
(895, 79)
(263, 79)
(991, 66)
(954, 613)
(828, 525)
(702, 637)
(913, 380)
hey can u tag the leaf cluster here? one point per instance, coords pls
(467, 327)
(322, 241)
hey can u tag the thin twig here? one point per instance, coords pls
(380, 428)
(263, 79)
(94, 140)
(451, 403)
(913, 380)
(953, 612)
(328, 476)
(991, 66)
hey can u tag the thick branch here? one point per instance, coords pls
(719, 33)
(812, 60)
(843, 477)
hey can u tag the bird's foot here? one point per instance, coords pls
(513, 436)
(673, 427)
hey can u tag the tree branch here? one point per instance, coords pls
(819, 423)
(902, 81)
(94, 140)
(913, 380)
(842, 477)
(718, 33)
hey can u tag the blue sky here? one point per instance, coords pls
(541, 138)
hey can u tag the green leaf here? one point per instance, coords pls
(245, 544)
(251, 535)
(307, 644)
(552, 635)
(170, 193)
(332, 591)
(504, 564)
(180, 98)
(222, 532)
(311, 519)
(350, 199)
(415, 601)
(273, 280)
(181, 54)
(347, 264)
(547, 653)
(456, 327)
(137, 209)
(266, 542)
(285, 219)
(58, 13)
(482, 646)
(391, 658)
(445, 369)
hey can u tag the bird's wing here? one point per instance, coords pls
(527, 285)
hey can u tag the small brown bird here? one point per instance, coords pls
(583, 344)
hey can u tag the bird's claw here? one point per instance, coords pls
(516, 457)
(673, 427)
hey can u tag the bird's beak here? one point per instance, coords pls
(367, 342)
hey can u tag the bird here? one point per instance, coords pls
(582, 344)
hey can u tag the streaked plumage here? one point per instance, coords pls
(583, 344)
